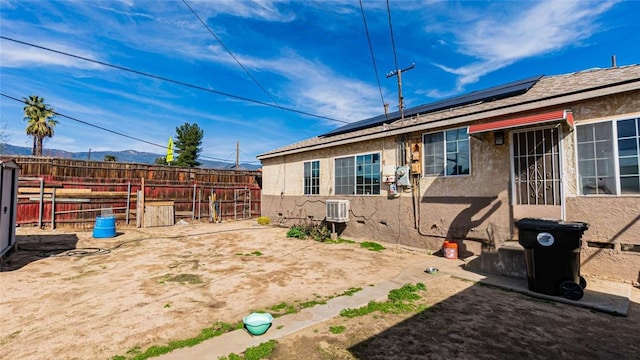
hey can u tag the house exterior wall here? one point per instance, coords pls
(449, 208)
(611, 246)
(372, 217)
(475, 209)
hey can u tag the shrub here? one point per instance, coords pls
(264, 220)
(297, 231)
(317, 232)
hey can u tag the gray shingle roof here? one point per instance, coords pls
(548, 87)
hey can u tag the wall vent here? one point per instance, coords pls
(600, 245)
(338, 211)
(630, 247)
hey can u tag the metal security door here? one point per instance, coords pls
(6, 207)
(537, 173)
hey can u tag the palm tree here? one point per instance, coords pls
(40, 121)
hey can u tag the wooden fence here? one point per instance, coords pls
(66, 192)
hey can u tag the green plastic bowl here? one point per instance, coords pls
(257, 323)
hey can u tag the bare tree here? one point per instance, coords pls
(4, 137)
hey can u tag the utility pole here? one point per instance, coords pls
(398, 72)
(237, 154)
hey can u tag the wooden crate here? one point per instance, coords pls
(159, 213)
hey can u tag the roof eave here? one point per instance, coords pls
(511, 109)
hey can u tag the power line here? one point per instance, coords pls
(197, 87)
(164, 147)
(230, 53)
(93, 125)
(393, 43)
(397, 72)
(373, 59)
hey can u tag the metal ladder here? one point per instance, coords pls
(242, 200)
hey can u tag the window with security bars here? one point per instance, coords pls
(312, 177)
(609, 157)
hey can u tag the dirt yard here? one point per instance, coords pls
(148, 287)
(469, 321)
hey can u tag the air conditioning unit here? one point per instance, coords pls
(338, 211)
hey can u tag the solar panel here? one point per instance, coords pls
(490, 94)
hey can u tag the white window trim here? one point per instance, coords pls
(424, 174)
(614, 135)
(319, 176)
(354, 177)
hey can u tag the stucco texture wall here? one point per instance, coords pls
(611, 246)
(473, 207)
(612, 218)
(284, 175)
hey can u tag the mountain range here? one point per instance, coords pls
(127, 156)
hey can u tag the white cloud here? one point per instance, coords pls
(317, 88)
(257, 9)
(16, 55)
(309, 85)
(498, 40)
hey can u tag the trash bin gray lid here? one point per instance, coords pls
(540, 224)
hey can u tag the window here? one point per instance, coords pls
(345, 173)
(452, 145)
(628, 155)
(368, 174)
(358, 175)
(312, 177)
(608, 157)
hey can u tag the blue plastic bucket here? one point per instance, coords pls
(105, 227)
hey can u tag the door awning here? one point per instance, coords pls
(554, 116)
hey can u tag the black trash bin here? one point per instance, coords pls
(552, 256)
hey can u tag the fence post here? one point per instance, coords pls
(193, 203)
(41, 207)
(199, 204)
(53, 209)
(142, 203)
(128, 202)
(139, 205)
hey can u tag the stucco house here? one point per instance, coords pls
(466, 168)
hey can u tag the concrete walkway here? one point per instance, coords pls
(600, 295)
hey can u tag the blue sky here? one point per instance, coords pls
(309, 56)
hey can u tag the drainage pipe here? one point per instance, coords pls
(418, 215)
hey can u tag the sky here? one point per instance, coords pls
(265, 74)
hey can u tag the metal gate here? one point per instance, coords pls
(537, 169)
